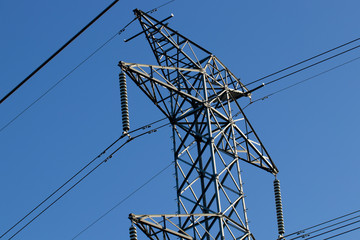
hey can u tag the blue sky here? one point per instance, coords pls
(311, 131)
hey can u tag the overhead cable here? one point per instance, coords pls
(122, 201)
(304, 61)
(162, 5)
(320, 234)
(302, 81)
(52, 87)
(62, 195)
(66, 76)
(312, 65)
(77, 66)
(58, 51)
(342, 233)
(81, 179)
(68, 43)
(323, 228)
(58, 189)
(80, 171)
(317, 225)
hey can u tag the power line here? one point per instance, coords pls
(58, 189)
(162, 5)
(52, 87)
(323, 228)
(77, 66)
(28, 223)
(123, 200)
(314, 64)
(81, 170)
(302, 81)
(331, 220)
(58, 51)
(346, 225)
(342, 233)
(81, 179)
(76, 174)
(304, 61)
(67, 75)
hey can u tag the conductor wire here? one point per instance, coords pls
(82, 169)
(81, 179)
(312, 65)
(122, 201)
(332, 225)
(58, 51)
(157, 8)
(342, 233)
(66, 76)
(81, 63)
(317, 225)
(304, 61)
(302, 81)
(333, 230)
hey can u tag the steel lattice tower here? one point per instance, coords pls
(211, 135)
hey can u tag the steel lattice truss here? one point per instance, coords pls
(166, 227)
(211, 134)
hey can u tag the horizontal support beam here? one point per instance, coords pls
(160, 67)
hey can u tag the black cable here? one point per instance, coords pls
(123, 200)
(59, 188)
(157, 8)
(333, 230)
(67, 75)
(331, 220)
(105, 160)
(302, 81)
(27, 224)
(342, 233)
(130, 139)
(81, 63)
(58, 51)
(82, 169)
(52, 87)
(312, 65)
(320, 229)
(306, 60)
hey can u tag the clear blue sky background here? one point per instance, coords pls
(311, 131)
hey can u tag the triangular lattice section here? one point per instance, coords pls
(170, 47)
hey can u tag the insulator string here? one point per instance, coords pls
(133, 233)
(124, 103)
(279, 210)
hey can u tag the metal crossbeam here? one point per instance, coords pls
(163, 226)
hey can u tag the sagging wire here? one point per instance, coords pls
(79, 65)
(334, 229)
(323, 228)
(122, 201)
(65, 76)
(302, 81)
(81, 170)
(309, 59)
(157, 8)
(323, 223)
(342, 233)
(59, 50)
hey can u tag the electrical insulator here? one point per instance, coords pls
(279, 210)
(124, 103)
(133, 234)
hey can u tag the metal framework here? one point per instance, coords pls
(211, 135)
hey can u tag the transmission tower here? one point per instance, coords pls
(211, 135)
